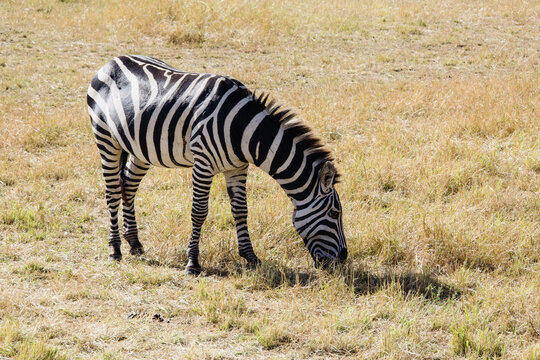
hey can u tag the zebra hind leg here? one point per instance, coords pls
(111, 165)
(132, 174)
(236, 188)
(202, 181)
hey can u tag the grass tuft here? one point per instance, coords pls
(269, 336)
(483, 344)
(15, 345)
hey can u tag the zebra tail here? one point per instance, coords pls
(123, 161)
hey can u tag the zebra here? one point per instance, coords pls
(145, 112)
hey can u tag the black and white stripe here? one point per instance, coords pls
(144, 112)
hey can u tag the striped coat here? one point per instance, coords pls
(144, 112)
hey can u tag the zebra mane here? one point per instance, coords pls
(287, 118)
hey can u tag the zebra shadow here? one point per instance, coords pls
(408, 283)
(361, 281)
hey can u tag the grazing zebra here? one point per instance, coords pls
(144, 112)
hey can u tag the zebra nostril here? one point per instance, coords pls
(343, 255)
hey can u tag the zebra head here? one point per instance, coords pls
(319, 221)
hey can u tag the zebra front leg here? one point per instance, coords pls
(133, 173)
(236, 188)
(202, 181)
(110, 163)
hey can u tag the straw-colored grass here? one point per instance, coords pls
(432, 109)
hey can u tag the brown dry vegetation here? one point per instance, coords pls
(432, 109)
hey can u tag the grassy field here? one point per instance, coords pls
(432, 109)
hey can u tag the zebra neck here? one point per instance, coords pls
(288, 152)
(294, 168)
(303, 185)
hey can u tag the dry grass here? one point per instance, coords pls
(432, 109)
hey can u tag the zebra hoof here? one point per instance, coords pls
(253, 263)
(115, 254)
(137, 251)
(193, 271)
(115, 257)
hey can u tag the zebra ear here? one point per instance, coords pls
(327, 174)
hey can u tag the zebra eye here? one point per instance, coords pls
(334, 214)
